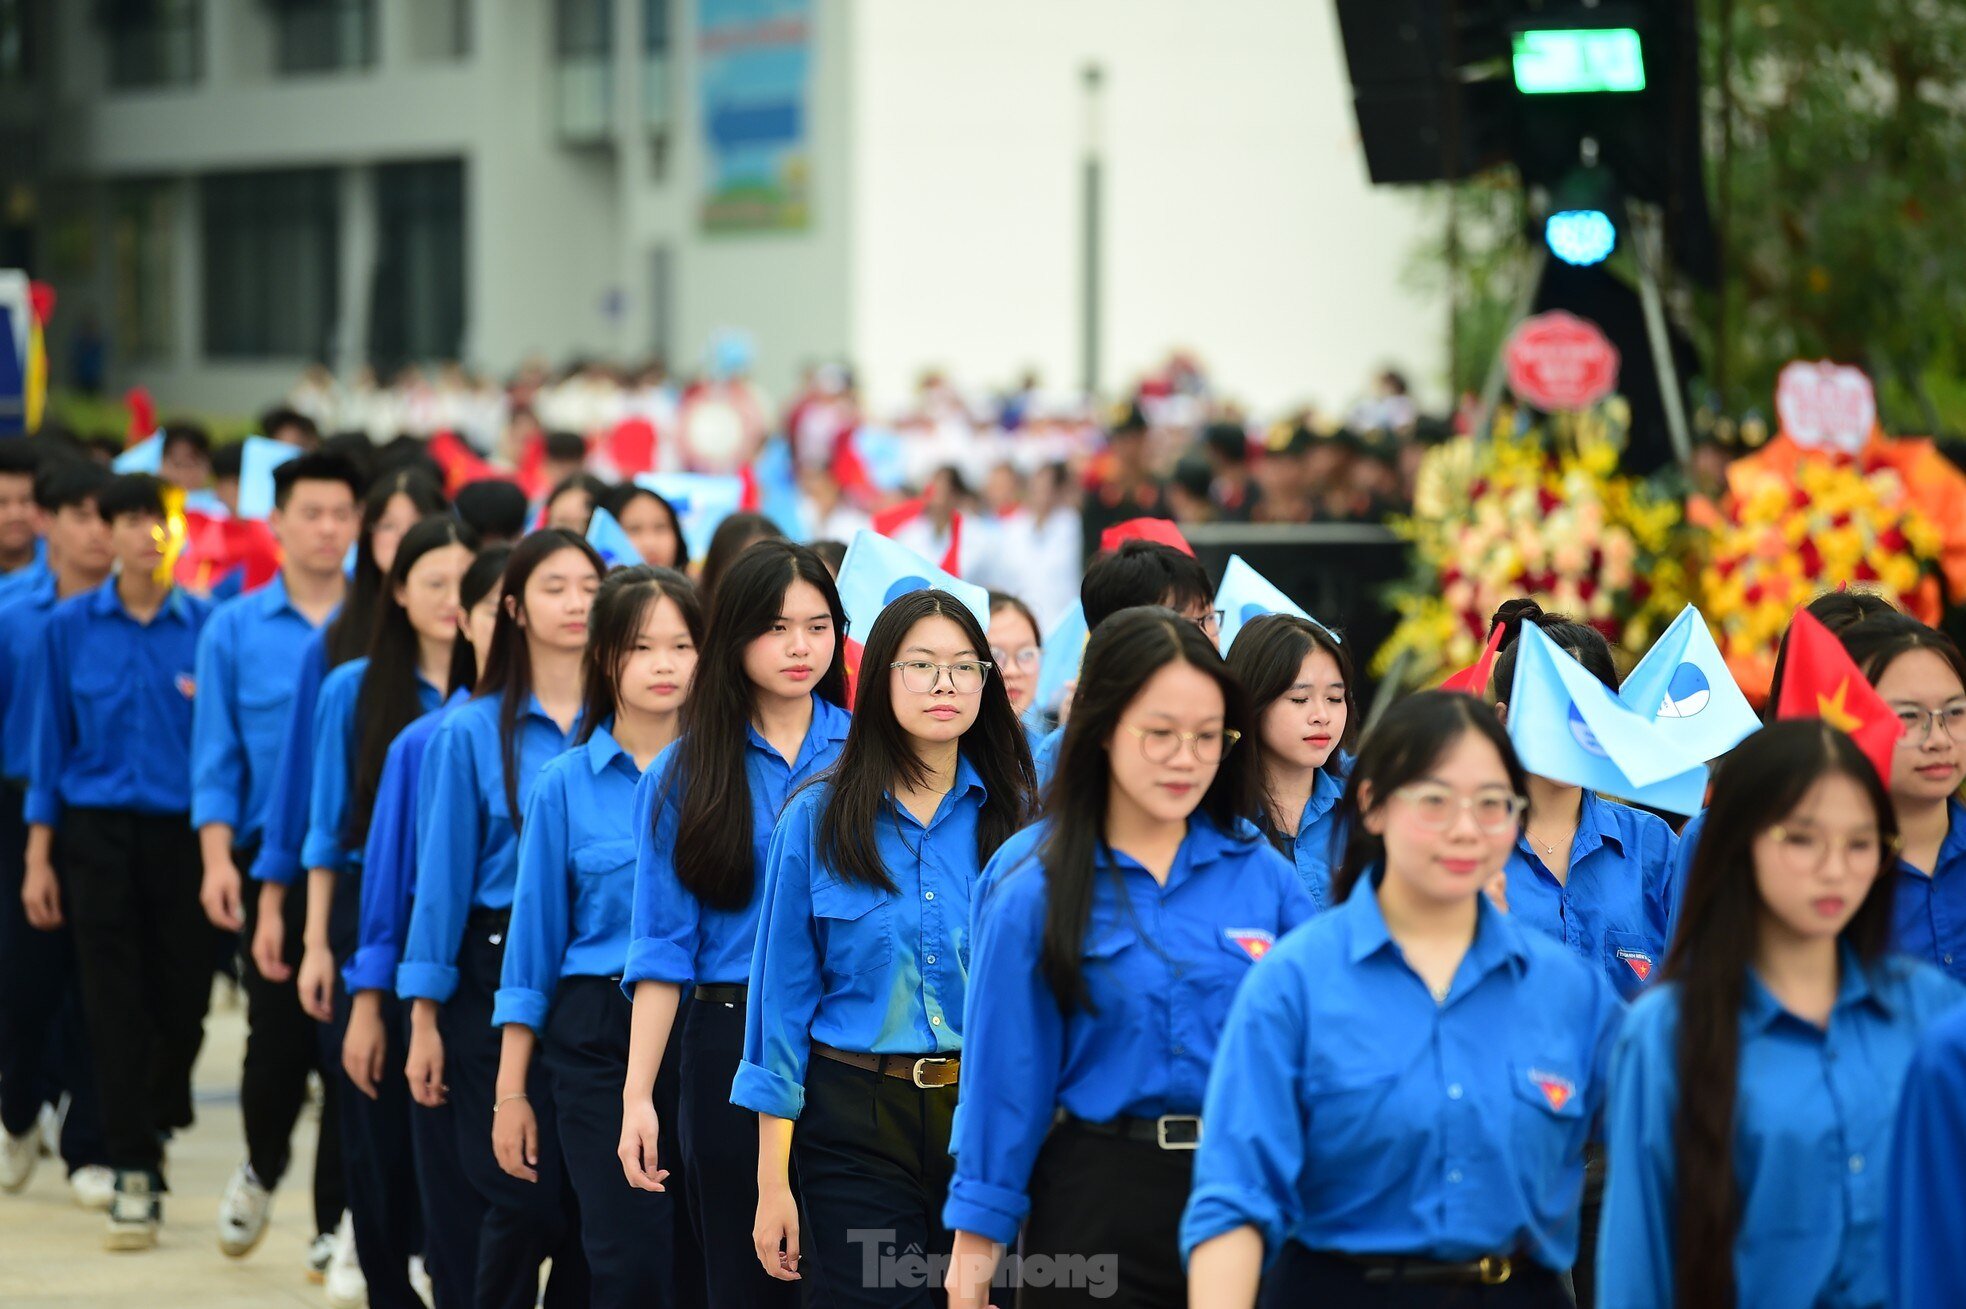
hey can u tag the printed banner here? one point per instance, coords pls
(755, 73)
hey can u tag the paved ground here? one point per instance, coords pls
(51, 1254)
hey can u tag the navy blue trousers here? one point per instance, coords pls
(44, 1044)
(453, 1212)
(526, 1223)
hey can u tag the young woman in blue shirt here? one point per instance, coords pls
(1398, 1110)
(1299, 680)
(764, 716)
(481, 769)
(1017, 649)
(853, 1039)
(1754, 1091)
(560, 985)
(1110, 938)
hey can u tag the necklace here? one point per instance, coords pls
(1547, 848)
(1440, 992)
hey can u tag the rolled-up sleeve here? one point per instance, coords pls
(785, 975)
(536, 943)
(449, 838)
(664, 919)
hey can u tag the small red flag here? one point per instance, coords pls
(1819, 680)
(1162, 530)
(1473, 680)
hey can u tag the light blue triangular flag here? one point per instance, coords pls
(878, 570)
(611, 540)
(1064, 647)
(143, 457)
(1246, 594)
(1569, 727)
(701, 500)
(1685, 687)
(257, 460)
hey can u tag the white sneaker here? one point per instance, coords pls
(18, 1155)
(243, 1213)
(347, 1288)
(51, 1120)
(94, 1186)
(420, 1280)
(134, 1214)
(320, 1253)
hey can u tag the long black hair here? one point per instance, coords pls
(729, 541)
(1404, 747)
(589, 485)
(879, 755)
(1755, 787)
(1580, 640)
(1124, 653)
(1877, 643)
(714, 860)
(1839, 611)
(390, 699)
(1266, 657)
(508, 667)
(479, 581)
(627, 493)
(621, 606)
(348, 635)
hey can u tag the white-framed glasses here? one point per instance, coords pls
(1028, 659)
(1159, 744)
(1920, 722)
(1437, 807)
(1804, 850)
(922, 677)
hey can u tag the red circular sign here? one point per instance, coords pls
(1560, 361)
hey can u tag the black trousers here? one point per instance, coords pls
(378, 1165)
(144, 948)
(872, 1153)
(526, 1223)
(282, 1048)
(44, 1045)
(1105, 1222)
(1583, 1274)
(629, 1235)
(1303, 1277)
(720, 1162)
(453, 1212)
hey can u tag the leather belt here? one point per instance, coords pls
(1489, 1270)
(925, 1071)
(1168, 1132)
(722, 993)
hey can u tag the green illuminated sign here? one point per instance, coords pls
(1577, 60)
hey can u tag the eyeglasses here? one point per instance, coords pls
(1436, 808)
(922, 677)
(1159, 744)
(1804, 851)
(1210, 623)
(1028, 659)
(1921, 722)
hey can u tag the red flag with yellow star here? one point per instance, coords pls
(1820, 681)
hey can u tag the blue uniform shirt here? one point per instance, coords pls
(283, 826)
(248, 662)
(389, 857)
(1161, 964)
(576, 874)
(1612, 907)
(1044, 755)
(1928, 919)
(674, 937)
(854, 966)
(112, 720)
(1813, 1121)
(335, 743)
(1315, 848)
(1350, 1111)
(1923, 1256)
(24, 610)
(467, 850)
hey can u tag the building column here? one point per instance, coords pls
(188, 310)
(357, 256)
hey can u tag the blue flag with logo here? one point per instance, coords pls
(258, 457)
(1684, 686)
(1570, 727)
(1064, 647)
(1246, 594)
(878, 570)
(143, 457)
(701, 500)
(611, 540)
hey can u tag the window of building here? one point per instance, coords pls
(655, 63)
(439, 30)
(272, 264)
(143, 219)
(153, 43)
(18, 39)
(323, 36)
(583, 50)
(416, 307)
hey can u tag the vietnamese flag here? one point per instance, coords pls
(892, 519)
(1473, 680)
(460, 464)
(1161, 530)
(1819, 680)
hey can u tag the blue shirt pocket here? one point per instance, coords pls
(263, 715)
(856, 927)
(1631, 959)
(604, 884)
(1549, 1124)
(100, 706)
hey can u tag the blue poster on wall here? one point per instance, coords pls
(756, 74)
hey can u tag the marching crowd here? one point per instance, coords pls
(646, 924)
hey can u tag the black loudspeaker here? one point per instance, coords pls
(1421, 116)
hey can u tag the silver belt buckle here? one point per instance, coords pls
(1160, 1131)
(915, 1074)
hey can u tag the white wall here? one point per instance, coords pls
(1238, 217)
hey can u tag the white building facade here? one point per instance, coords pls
(228, 190)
